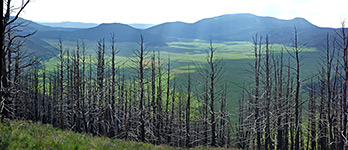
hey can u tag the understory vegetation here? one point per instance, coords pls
(17, 134)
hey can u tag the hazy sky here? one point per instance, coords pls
(324, 13)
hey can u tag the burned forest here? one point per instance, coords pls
(147, 97)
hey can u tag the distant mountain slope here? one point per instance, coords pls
(34, 44)
(69, 24)
(124, 33)
(234, 27)
(30, 26)
(241, 27)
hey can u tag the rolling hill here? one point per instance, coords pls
(233, 27)
(241, 27)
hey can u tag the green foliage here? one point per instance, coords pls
(5, 133)
(195, 51)
(189, 54)
(182, 54)
(29, 135)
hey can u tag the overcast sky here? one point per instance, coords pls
(323, 13)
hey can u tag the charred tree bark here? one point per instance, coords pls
(159, 101)
(297, 94)
(172, 116)
(257, 53)
(268, 144)
(141, 55)
(345, 61)
(153, 95)
(280, 107)
(188, 106)
(212, 77)
(5, 27)
(43, 105)
(61, 80)
(166, 136)
(113, 90)
(312, 118)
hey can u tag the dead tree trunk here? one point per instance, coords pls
(212, 77)
(61, 100)
(188, 106)
(268, 144)
(140, 54)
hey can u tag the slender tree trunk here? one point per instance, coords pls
(268, 144)
(345, 61)
(77, 89)
(153, 94)
(188, 106)
(212, 92)
(322, 121)
(100, 83)
(256, 102)
(297, 94)
(280, 106)
(84, 93)
(167, 102)
(312, 119)
(328, 83)
(141, 98)
(3, 81)
(44, 96)
(61, 101)
(90, 105)
(206, 104)
(223, 116)
(36, 92)
(172, 116)
(287, 108)
(159, 102)
(113, 85)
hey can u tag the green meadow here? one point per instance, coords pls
(190, 55)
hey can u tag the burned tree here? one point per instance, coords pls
(7, 26)
(140, 55)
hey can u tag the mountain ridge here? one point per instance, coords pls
(69, 24)
(229, 27)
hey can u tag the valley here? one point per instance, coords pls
(234, 81)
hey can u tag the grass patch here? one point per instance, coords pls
(195, 51)
(16, 134)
